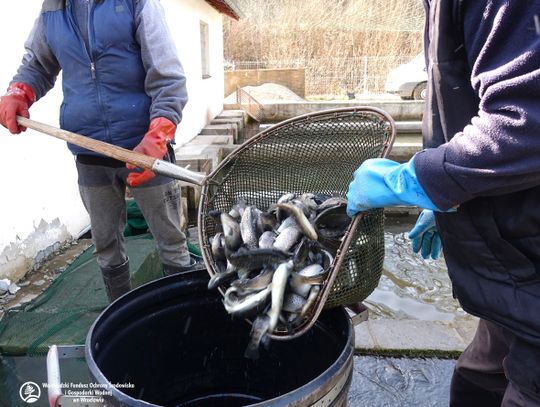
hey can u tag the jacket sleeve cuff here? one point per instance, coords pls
(440, 187)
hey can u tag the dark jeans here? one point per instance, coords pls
(496, 369)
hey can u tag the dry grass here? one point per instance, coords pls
(345, 45)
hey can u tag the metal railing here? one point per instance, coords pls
(248, 103)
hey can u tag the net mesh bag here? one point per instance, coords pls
(315, 153)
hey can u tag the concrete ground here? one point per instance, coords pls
(400, 382)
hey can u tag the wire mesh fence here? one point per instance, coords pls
(335, 77)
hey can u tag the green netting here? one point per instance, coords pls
(136, 225)
(64, 312)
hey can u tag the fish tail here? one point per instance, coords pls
(258, 333)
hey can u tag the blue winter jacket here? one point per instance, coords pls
(482, 130)
(127, 73)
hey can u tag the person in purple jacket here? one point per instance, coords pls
(478, 179)
(123, 84)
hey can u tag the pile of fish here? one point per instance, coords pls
(272, 263)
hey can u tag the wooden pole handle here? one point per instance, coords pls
(109, 150)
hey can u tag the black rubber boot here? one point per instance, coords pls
(117, 280)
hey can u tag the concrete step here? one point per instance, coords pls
(400, 211)
(219, 129)
(233, 113)
(408, 127)
(213, 140)
(405, 147)
(238, 124)
(238, 118)
(200, 157)
(230, 120)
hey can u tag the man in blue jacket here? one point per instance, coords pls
(479, 180)
(122, 84)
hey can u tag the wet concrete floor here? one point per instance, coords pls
(393, 382)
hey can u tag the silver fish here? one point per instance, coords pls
(321, 256)
(301, 284)
(290, 320)
(248, 227)
(320, 197)
(293, 303)
(312, 270)
(280, 215)
(328, 259)
(257, 258)
(303, 222)
(293, 320)
(287, 223)
(279, 284)
(266, 221)
(218, 246)
(287, 238)
(335, 201)
(243, 274)
(304, 208)
(238, 209)
(267, 239)
(308, 200)
(231, 232)
(258, 332)
(241, 306)
(301, 253)
(255, 284)
(222, 277)
(286, 198)
(312, 298)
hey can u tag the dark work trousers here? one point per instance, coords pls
(103, 188)
(496, 369)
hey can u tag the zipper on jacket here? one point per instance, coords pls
(81, 39)
(90, 33)
(93, 69)
(89, 54)
(89, 50)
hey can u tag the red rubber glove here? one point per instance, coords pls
(16, 101)
(154, 144)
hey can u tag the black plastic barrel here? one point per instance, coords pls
(174, 343)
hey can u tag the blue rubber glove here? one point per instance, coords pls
(425, 236)
(380, 182)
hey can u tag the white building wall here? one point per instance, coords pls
(40, 207)
(205, 95)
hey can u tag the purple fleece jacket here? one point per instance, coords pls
(499, 151)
